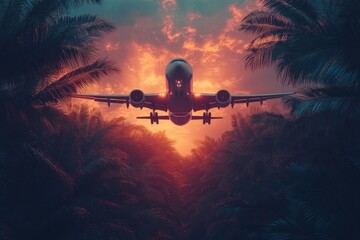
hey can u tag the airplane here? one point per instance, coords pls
(179, 100)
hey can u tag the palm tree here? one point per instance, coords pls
(275, 177)
(233, 188)
(322, 203)
(315, 43)
(95, 186)
(134, 188)
(46, 54)
(87, 178)
(310, 42)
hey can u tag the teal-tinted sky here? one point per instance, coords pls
(149, 33)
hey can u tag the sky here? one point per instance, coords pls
(149, 33)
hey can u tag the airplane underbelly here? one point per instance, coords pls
(180, 109)
(180, 104)
(180, 118)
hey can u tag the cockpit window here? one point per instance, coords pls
(178, 60)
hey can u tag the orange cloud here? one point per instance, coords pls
(112, 46)
(216, 60)
(168, 6)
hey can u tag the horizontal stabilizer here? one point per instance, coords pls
(202, 117)
(159, 117)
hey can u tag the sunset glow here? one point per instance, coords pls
(210, 42)
(87, 151)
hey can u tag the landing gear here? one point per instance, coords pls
(207, 117)
(154, 117)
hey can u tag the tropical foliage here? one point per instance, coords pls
(46, 54)
(271, 177)
(310, 42)
(277, 177)
(68, 173)
(87, 180)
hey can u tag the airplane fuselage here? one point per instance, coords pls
(179, 91)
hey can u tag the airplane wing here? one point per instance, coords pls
(153, 101)
(206, 101)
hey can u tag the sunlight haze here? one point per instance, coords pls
(149, 34)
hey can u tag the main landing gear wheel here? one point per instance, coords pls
(154, 117)
(207, 118)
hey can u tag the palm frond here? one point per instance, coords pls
(44, 48)
(262, 56)
(285, 228)
(258, 22)
(71, 82)
(261, 123)
(301, 168)
(280, 229)
(40, 13)
(306, 61)
(46, 161)
(69, 41)
(10, 13)
(78, 30)
(314, 47)
(341, 101)
(300, 13)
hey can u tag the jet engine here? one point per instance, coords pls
(223, 98)
(137, 98)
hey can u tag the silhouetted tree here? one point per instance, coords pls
(275, 177)
(46, 54)
(323, 203)
(310, 42)
(315, 43)
(235, 190)
(83, 181)
(270, 177)
(86, 178)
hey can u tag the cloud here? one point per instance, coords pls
(150, 33)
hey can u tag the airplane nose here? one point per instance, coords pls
(179, 67)
(180, 70)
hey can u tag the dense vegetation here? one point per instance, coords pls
(89, 179)
(70, 174)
